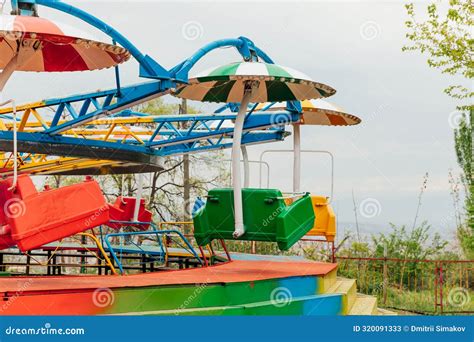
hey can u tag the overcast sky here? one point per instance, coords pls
(353, 46)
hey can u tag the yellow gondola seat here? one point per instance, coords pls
(325, 223)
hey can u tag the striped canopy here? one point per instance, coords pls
(319, 112)
(276, 83)
(43, 45)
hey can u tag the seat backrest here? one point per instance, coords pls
(25, 187)
(124, 209)
(325, 223)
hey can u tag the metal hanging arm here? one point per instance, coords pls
(244, 45)
(236, 148)
(149, 68)
(245, 157)
(138, 198)
(296, 157)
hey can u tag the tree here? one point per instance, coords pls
(447, 39)
(463, 144)
(170, 190)
(446, 36)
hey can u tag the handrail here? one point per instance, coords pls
(97, 242)
(155, 232)
(292, 195)
(191, 223)
(305, 151)
(101, 249)
(254, 162)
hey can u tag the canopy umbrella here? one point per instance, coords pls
(246, 82)
(318, 113)
(37, 44)
(314, 112)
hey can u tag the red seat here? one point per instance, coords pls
(6, 240)
(43, 217)
(10, 205)
(123, 210)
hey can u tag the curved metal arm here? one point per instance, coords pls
(263, 55)
(244, 45)
(149, 68)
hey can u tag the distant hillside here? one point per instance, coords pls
(366, 229)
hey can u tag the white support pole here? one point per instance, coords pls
(15, 148)
(138, 198)
(236, 177)
(296, 158)
(245, 157)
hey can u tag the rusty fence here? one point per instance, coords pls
(417, 286)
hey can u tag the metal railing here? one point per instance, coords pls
(302, 151)
(414, 285)
(160, 235)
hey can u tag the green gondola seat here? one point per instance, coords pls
(266, 217)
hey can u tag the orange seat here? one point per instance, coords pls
(43, 217)
(325, 223)
(123, 210)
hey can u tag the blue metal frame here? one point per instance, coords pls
(244, 45)
(149, 68)
(154, 232)
(199, 137)
(206, 132)
(112, 101)
(121, 98)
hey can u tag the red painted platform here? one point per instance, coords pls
(231, 272)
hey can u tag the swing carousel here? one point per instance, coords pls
(70, 248)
